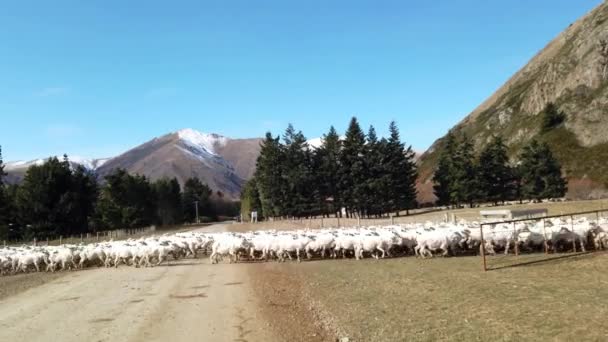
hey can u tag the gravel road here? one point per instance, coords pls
(189, 300)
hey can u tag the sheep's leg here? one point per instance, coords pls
(381, 250)
(582, 243)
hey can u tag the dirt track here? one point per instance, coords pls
(190, 300)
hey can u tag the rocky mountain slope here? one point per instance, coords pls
(223, 163)
(572, 72)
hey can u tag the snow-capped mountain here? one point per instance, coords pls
(89, 163)
(315, 143)
(223, 163)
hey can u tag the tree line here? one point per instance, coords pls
(59, 198)
(463, 178)
(361, 173)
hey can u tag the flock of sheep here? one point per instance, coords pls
(422, 240)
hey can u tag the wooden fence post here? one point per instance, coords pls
(516, 240)
(545, 237)
(572, 228)
(60, 239)
(47, 240)
(35, 242)
(392, 219)
(483, 249)
(97, 236)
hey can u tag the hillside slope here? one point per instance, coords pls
(223, 163)
(572, 72)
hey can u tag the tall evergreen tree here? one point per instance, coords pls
(495, 175)
(297, 174)
(442, 179)
(552, 117)
(45, 198)
(85, 192)
(540, 173)
(269, 176)
(196, 191)
(377, 175)
(463, 187)
(126, 201)
(4, 203)
(402, 169)
(169, 201)
(2, 173)
(327, 166)
(250, 200)
(352, 168)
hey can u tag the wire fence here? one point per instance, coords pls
(531, 236)
(117, 234)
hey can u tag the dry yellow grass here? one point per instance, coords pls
(407, 299)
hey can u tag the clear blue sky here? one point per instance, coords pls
(94, 78)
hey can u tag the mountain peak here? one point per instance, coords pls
(200, 140)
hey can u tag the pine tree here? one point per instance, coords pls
(169, 201)
(196, 191)
(327, 166)
(463, 187)
(495, 176)
(352, 168)
(403, 172)
(45, 199)
(297, 173)
(442, 179)
(126, 201)
(555, 184)
(4, 203)
(269, 176)
(2, 173)
(375, 189)
(552, 117)
(250, 200)
(85, 192)
(540, 173)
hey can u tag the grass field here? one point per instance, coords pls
(405, 299)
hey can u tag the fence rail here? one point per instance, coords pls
(597, 214)
(84, 237)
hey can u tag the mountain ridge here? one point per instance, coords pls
(570, 71)
(225, 164)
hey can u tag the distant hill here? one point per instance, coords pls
(225, 164)
(572, 72)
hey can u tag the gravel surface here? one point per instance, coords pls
(190, 300)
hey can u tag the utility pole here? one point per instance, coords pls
(196, 208)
